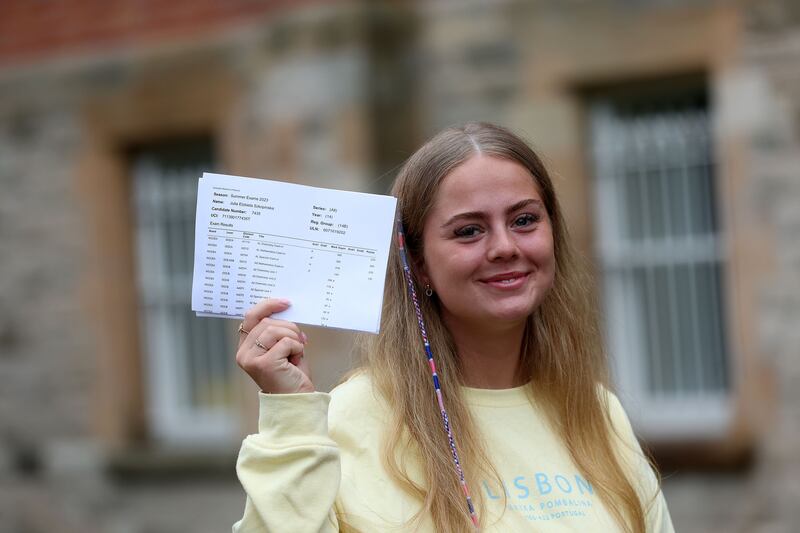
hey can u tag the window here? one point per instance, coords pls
(188, 367)
(662, 257)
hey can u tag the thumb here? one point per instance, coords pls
(300, 361)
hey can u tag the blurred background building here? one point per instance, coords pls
(672, 129)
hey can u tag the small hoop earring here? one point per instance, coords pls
(428, 290)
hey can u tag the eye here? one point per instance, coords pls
(528, 219)
(467, 231)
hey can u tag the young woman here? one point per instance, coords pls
(543, 444)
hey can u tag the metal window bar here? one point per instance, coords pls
(662, 258)
(189, 369)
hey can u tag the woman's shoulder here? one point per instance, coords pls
(354, 387)
(623, 433)
(355, 396)
(616, 413)
(644, 478)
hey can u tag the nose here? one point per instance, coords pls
(502, 246)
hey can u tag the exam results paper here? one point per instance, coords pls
(324, 250)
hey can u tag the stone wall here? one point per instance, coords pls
(294, 102)
(764, 496)
(340, 94)
(43, 379)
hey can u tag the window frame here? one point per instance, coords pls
(178, 367)
(658, 417)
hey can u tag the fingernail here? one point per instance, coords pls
(284, 301)
(304, 337)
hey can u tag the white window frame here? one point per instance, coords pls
(164, 201)
(657, 414)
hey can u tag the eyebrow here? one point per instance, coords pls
(480, 214)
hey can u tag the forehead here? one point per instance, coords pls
(484, 183)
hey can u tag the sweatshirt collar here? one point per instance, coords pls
(497, 397)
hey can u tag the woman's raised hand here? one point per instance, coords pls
(271, 350)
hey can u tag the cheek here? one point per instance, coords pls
(549, 259)
(547, 246)
(544, 257)
(549, 266)
(448, 266)
(541, 250)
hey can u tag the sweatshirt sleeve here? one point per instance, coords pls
(290, 469)
(657, 517)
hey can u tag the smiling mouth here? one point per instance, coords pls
(505, 280)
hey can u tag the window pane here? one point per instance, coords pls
(187, 358)
(660, 246)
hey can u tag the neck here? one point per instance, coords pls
(490, 358)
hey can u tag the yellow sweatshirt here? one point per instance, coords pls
(316, 462)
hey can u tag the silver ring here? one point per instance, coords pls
(260, 345)
(242, 330)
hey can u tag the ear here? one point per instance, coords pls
(422, 272)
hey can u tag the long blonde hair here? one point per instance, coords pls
(562, 353)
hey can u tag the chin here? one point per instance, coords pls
(513, 314)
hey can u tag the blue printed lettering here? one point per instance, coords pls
(543, 484)
(563, 484)
(489, 492)
(518, 482)
(582, 483)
